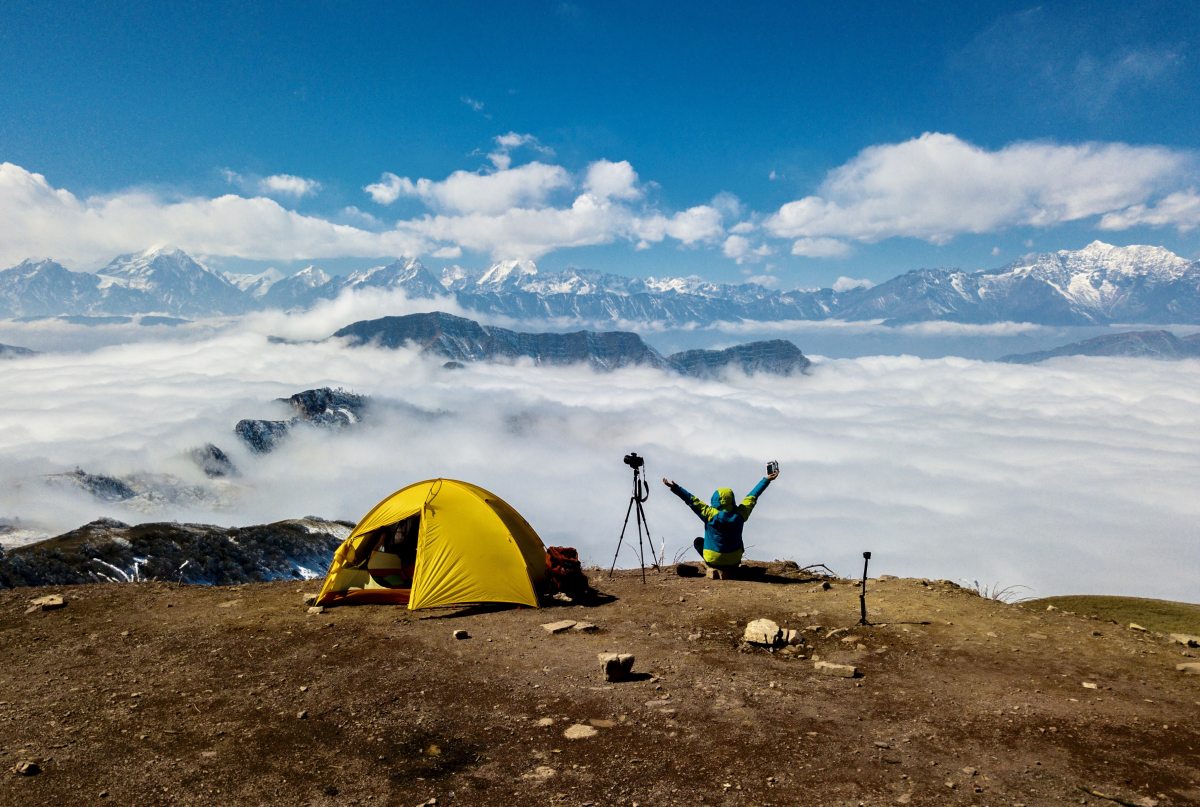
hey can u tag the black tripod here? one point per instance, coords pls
(641, 492)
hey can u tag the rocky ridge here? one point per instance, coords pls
(458, 340)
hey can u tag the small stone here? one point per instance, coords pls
(558, 627)
(579, 731)
(969, 771)
(850, 639)
(461, 634)
(1185, 639)
(1090, 685)
(792, 636)
(313, 610)
(302, 714)
(601, 723)
(1191, 667)
(616, 666)
(825, 585)
(545, 721)
(762, 632)
(1051, 608)
(840, 670)
(713, 573)
(27, 768)
(1136, 627)
(310, 599)
(585, 627)
(564, 597)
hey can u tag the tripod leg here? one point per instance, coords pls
(628, 510)
(643, 524)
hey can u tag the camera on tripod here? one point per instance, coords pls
(634, 461)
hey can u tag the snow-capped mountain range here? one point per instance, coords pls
(1098, 284)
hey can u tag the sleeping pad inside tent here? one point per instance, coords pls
(438, 542)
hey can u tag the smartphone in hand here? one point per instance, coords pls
(772, 467)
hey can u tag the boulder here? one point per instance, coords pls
(1186, 639)
(791, 636)
(763, 632)
(27, 768)
(839, 670)
(1191, 667)
(616, 666)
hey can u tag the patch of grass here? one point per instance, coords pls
(1164, 616)
(1006, 594)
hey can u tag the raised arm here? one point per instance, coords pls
(751, 499)
(701, 509)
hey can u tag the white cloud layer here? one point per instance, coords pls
(1075, 476)
(37, 219)
(937, 186)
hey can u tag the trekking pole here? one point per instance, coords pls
(862, 594)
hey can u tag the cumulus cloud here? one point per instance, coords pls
(507, 143)
(699, 224)
(527, 185)
(1180, 210)
(844, 283)
(820, 248)
(39, 219)
(741, 250)
(1075, 476)
(287, 185)
(612, 180)
(937, 186)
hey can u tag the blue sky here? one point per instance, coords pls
(793, 143)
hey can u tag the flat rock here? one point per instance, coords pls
(310, 599)
(559, 627)
(313, 610)
(541, 773)
(545, 721)
(762, 632)
(616, 666)
(839, 670)
(1191, 667)
(1135, 626)
(1186, 639)
(580, 731)
(50, 602)
(584, 627)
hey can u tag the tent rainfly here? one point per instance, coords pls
(434, 543)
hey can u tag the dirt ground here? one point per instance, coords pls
(142, 694)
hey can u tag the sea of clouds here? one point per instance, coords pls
(1074, 476)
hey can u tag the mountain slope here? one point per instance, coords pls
(1142, 344)
(1095, 285)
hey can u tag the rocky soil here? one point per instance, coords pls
(155, 693)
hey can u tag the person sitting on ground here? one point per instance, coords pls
(722, 545)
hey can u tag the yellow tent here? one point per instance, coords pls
(438, 542)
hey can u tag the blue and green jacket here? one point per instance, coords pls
(723, 521)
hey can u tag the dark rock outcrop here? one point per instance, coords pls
(776, 356)
(323, 408)
(104, 488)
(213, 461)
(460, 339)
(108, 550)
